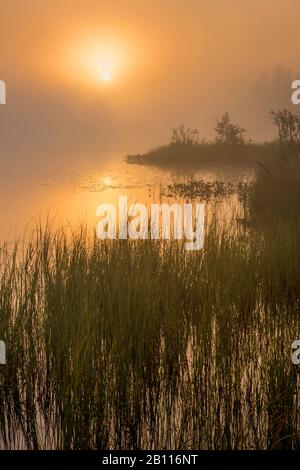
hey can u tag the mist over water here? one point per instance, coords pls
(132, 344)
(179, 62)
(69, 195)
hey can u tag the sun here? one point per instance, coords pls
(106, 76)
(92, 59)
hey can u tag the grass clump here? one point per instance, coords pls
(141, 344)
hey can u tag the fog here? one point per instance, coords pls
(173, 61)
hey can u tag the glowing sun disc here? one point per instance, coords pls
(106, 76)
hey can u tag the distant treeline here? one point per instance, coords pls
(229, 143)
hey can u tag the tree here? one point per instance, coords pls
(288, 126)
(183, 135)
(229, 133)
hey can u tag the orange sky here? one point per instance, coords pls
(172, 61)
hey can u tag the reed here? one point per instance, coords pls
(142, 344)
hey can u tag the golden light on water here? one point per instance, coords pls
(106, 181)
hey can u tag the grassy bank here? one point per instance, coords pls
(229, 146)
(145, 345)
(213, 154)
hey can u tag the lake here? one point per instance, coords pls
(69, 193)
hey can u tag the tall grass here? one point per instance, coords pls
(142, 344)
(276, 192)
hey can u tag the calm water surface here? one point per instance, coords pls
(71, 193)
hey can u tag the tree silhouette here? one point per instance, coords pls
(183, 135)
(227, 132)
(288, 126)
